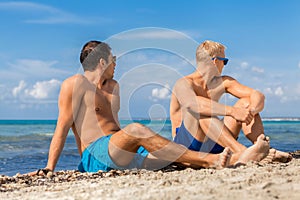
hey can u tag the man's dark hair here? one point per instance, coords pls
(91, 54)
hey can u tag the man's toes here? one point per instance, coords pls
(261, 137)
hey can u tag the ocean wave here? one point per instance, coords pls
(277, 119)
(34, 136)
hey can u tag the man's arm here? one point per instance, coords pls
(194, 104)
(256, 98)
(64, 123)
(115, 104)
(68, 105)
(199, 105)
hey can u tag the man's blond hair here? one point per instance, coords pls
(210, 49)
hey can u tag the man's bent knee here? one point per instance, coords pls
(242, 103)
(138, 130)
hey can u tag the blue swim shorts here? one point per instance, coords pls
(96, 157)
(184, 137)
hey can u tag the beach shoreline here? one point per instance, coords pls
(252, 181)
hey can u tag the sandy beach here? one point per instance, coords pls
(253, 181)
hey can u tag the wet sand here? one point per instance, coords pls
(253, 181)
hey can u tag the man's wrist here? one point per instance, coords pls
(228, 111)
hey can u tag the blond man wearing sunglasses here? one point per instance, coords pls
(195, 110)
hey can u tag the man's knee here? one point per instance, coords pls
(134, 128)
(138, 130)
(242, 103)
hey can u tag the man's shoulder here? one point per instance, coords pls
(227, 78)
(71, 81)
(184, 83)
(112, 82)
(186, 80)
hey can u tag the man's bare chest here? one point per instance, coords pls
(213, 92)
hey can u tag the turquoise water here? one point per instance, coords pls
(24, 144)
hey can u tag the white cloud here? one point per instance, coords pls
(39, 92)
(17, 90)
(161, 93)
(44, 89)
(244, 65)
(45, 14)
(258, 70)
(278, 91)
(268, 91)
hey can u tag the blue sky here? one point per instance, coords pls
(155, 44)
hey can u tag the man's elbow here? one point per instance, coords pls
(261, 96)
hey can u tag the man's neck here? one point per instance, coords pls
(102, 82)
(198, 79)
(93, 77)
(206, 73)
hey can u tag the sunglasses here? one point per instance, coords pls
(225, 60)
(114, 59)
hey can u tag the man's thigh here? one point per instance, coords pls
(215, 125)
(122, 148)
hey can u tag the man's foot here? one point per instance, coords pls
(256, 152)
(269, 158)
(224, 159)
(281, 156)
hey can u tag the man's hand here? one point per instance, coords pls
(243, 115)
(40, 172)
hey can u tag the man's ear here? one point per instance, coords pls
(102, 61)
(214, 61)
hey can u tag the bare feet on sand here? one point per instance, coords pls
(270, 157)
(281, 156)
(256, 152)
(216, 161)
(277, 156)
(224, 159)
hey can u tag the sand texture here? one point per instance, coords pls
(253, 181)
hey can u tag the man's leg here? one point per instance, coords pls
(125, 143)
(241, 154)
(136, 135)
(216, 130)
(253, 130)
(229, 129)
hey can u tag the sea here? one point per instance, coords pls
(24, 144)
